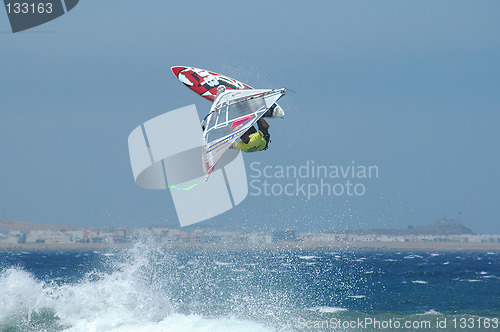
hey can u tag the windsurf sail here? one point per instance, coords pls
(232, 113)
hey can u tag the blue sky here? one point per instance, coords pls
(411, 87)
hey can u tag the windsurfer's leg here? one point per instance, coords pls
(251, 130)
(263, 125)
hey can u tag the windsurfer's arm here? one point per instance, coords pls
(237, 145)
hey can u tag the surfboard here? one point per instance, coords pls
(205, 83)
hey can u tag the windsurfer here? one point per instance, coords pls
(253, 140)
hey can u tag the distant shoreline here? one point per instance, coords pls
(343, 246)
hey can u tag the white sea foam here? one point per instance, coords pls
(334, 254)
(327, 309)
(412, 256)
(431, 312)
(308, 257)
(419, 282)
(222, 263)
(357, 296)
(173, 323)
(127, 299)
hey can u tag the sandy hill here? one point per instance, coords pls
(442, 227)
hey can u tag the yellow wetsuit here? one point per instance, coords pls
(257, 142)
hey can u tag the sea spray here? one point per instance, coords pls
(139, 289)
(153, 288)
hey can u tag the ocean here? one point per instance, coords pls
(149, 288)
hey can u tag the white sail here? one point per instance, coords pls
(233, 112)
